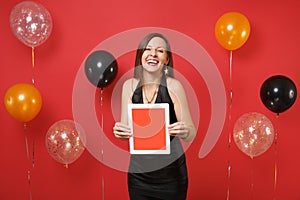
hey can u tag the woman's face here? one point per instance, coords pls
(155, 55)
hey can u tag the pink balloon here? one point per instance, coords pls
(253, 133)
(65, 141)
(31, 23)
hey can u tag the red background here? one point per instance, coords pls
(78, 26)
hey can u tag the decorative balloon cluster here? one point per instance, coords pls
(253, 132)
(31, 23)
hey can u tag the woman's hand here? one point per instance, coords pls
(179, 129)
(122, 131)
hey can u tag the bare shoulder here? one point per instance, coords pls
(130, 84)
(174, 85)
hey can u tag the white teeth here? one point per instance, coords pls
(152, 62)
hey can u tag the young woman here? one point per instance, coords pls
(157, 176)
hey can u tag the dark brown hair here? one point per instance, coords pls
(138, 69)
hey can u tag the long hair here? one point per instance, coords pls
(138, 69)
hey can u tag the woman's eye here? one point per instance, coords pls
(160, 50)
(148, 49)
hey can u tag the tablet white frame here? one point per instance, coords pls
(164, 106)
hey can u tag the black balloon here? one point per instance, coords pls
(278, 93)
(101, 68)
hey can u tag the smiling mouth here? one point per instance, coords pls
(152, 62)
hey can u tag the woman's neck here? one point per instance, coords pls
(149, 78)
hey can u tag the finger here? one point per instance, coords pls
(174, 124)
(118, 124)
(123, 130)
(122, 134)
(178, 132)
(121, 127)
(178, 127)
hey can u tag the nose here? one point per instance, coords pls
(153, 52)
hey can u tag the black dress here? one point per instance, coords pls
(158, 176)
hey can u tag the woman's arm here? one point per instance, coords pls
(121, 129)
(184, 128)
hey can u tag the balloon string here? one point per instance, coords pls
(275, 177)
(102, 188)
(102, 121)
(26, 141)
(275, 163)
(252, 178)
(228, 177)
(29, 185)
(101, 99)
(27, 146)
(32, 56)
(102, 152)
(28, 157)
(33, 154)
(229, 159)
(230, 76)
(229, 127)
(230, 64)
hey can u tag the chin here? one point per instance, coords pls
(152, 68)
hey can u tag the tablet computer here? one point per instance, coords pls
(149, 124)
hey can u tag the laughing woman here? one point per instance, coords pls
(157, 176)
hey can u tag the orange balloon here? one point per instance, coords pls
(23, 102)
(232, 30)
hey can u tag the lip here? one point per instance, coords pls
(152, 61)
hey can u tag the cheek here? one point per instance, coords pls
(143, 58)
(164, 59)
